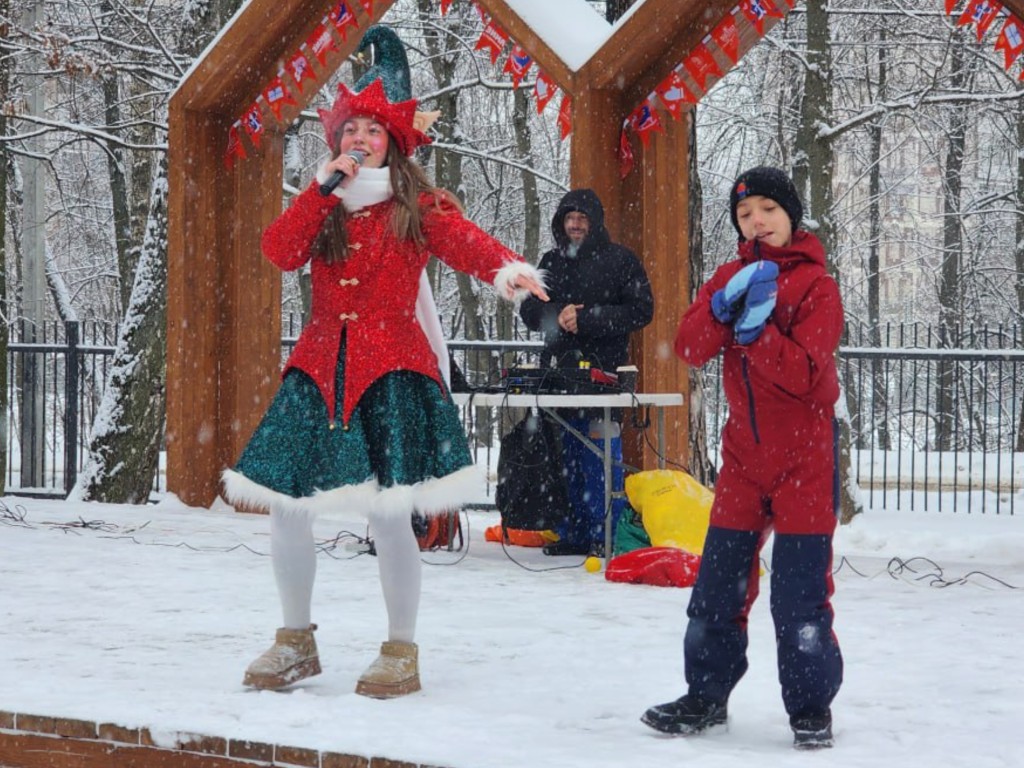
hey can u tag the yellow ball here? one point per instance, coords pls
(592, 564)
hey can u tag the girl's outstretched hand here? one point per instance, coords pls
(524, 283)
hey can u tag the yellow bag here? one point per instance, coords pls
(674, 507)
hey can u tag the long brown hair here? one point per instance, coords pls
(408, 182)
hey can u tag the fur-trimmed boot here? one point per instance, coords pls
(396, 672)
(291, 658)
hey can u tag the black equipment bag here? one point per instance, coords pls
(532, 494)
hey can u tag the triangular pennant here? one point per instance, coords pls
(518, 64)
(759, 10)
(565, 116)
(1010, 41)
(701, 65)
(446, 6)
(626, 161)
(252, 121)
(727, 35)
(950, 5)
(674, 94)
(277, 95)
(300, 69)
(980, 13)
(645, 121)
(367, 6)
(235, 149)
(342, 18)
(492, 39)
(321, 42)
(544, 90)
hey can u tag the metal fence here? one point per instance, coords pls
(931, 428)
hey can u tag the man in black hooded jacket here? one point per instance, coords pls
(599, 294)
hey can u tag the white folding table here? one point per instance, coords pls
(549, 404)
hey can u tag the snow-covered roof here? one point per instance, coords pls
(571, 28)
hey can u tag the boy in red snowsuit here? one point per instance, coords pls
(775, 314)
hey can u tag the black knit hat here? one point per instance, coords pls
(768, 182)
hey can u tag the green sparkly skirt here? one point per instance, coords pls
(404, 431)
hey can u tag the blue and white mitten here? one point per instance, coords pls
(727, 303)
(757, 308)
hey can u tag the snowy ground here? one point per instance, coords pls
(149, 618)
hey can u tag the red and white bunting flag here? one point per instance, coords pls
(252, 121)
(565, 116)
(321, 42)
(367, 6)
(235, 149)
(950, 5)
(300, 69)
(543, 90)
(625, 153)
(645, 121)
(483, 14)
(759, 10)
(492, 39)
(446, 5)
(674, 94)
(277, 94)
(1011, 41)
(980, 13)
(727, 35)
(702, 65)
(518, 64)
(342, 18)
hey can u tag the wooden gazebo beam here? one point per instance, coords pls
(654, 38)
(224, 299)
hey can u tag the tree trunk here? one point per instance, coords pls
(815, 166)
(5, 84)
(700, 464)
(878, 380)
(531, 200)
(125, 444)
(614, 9)
(952, 250)
(118, 183)
(1018, 250)
(443, 46)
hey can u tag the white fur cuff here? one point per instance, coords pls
(506, 277)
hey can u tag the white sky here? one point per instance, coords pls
(521, 669)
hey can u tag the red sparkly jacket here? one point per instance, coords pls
(371, 295)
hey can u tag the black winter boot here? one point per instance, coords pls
(812, 731)
(686, 716)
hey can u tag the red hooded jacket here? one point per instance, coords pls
(790, 369)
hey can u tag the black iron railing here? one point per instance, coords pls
(931, 429)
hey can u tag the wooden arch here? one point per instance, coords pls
(224, 326)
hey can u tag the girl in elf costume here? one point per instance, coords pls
(363, 420)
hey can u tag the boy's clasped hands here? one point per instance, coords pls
(747, 300)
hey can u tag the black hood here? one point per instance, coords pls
(585, 201)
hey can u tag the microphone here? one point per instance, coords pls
(336, 178)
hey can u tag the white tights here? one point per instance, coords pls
(398, 557)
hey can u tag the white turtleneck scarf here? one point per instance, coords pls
(369, 187)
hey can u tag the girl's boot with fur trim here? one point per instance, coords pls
(396, 672)
(291, 658)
